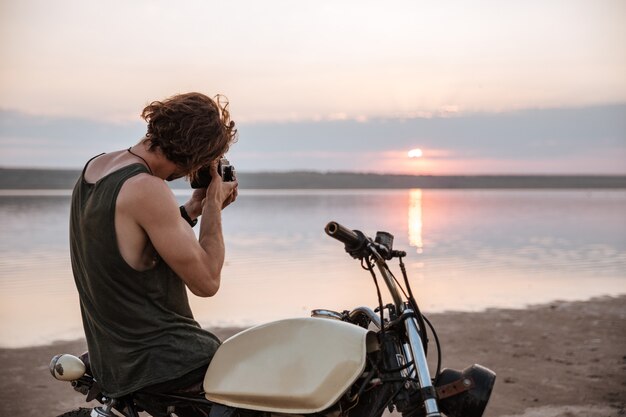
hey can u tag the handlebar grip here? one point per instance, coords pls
(343, 234)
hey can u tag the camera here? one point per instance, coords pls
(224, 169)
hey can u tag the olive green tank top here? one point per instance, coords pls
(139, 327)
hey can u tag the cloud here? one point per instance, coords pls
(521, 135)
(42, 141)
(566, 140)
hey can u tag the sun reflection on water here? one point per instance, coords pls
(415, 219)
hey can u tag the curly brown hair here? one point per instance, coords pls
(191, 129)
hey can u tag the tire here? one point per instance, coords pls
(79, 412)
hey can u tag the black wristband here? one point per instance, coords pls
(185, 216)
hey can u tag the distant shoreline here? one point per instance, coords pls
(59, 179)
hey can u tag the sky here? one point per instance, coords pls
(482, 87)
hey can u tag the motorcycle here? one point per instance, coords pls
(355, 363)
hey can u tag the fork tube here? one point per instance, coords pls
(421, 366)
(409, 358)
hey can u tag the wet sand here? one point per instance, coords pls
(563, 359)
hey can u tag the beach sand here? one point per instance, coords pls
(563, 359)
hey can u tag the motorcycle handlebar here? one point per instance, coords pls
(343, 234)
(357, 244)
(359, 247)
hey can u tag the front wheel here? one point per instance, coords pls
(79, 412)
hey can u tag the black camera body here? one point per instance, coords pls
(224, 169)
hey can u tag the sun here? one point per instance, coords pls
(415, 153)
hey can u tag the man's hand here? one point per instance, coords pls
(229, 189)
(219, 194)
(194, 205)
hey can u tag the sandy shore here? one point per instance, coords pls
(564, 359)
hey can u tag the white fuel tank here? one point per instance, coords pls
(296, 366)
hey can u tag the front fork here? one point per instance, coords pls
(420, 366)
(415, 350)
(407, 360)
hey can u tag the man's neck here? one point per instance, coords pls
(157, 162)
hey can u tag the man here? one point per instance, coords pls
(133, 249)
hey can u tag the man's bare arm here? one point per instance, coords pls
(149, 201)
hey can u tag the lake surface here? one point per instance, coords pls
(467, 250)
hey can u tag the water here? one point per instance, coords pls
(468, 250)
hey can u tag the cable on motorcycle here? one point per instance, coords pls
(416, 310)
(408, 287)
(370, 268)
(413, 303)
(365, 383)
(389, 401)
(363, 266)
(432, 329)
(398, 368)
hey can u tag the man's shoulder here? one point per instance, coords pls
(148, 181)
(144, 187)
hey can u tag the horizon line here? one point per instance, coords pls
(304, 171)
